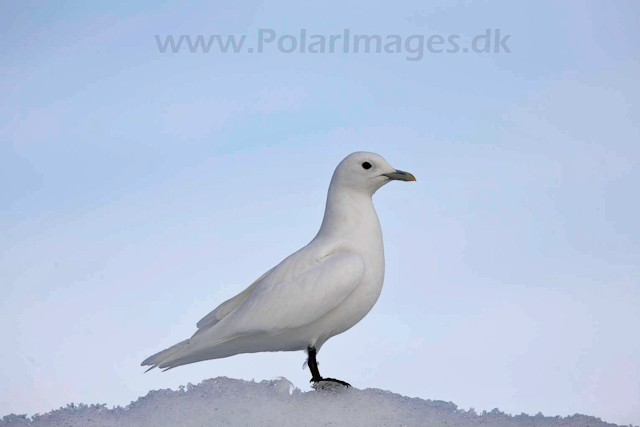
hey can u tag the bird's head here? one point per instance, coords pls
(367, 172)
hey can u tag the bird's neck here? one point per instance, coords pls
(347, 212)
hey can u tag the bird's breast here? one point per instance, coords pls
(356, 306)
(364, 237)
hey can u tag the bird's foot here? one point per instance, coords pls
(328, 384)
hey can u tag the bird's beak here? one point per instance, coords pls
(400, 175)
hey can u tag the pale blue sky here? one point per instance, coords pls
(141, 189)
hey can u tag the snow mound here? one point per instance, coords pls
(228, 402)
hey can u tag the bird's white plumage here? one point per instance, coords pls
(302, 295)
(228, 306)
(319, 291)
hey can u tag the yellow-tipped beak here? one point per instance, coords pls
(400, 175)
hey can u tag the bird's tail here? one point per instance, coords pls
(160, 357)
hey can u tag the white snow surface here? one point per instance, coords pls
(229, 402)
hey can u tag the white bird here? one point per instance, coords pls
(317, 292)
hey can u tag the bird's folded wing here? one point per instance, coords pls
(277, 305)
(228, 306)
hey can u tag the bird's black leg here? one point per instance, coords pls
(315, 373)
(313, 365)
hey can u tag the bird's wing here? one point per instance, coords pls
(277, 304)
(228, 306)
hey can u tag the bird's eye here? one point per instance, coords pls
(366, 165)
